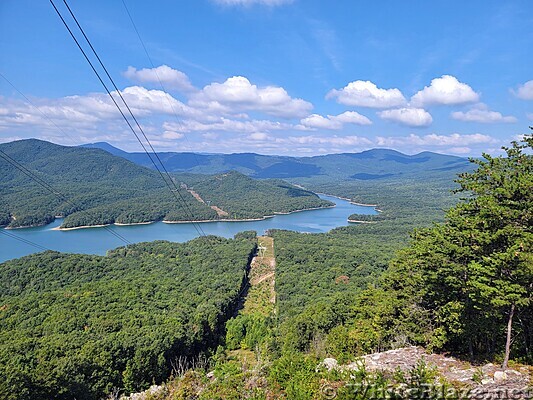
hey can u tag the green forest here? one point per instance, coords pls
(243, 197)
(462, 286)
(79, 326)
(451, 272)
(93, 187)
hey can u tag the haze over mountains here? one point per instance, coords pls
(368, 165)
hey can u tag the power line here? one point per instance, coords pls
(37, 179)
(48, 187)
(37, 108)
(199, 228)
(175, 192)
(52, 190)
(161, 83)
(23, 240)
(157, 75)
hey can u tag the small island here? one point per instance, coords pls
(365, 218)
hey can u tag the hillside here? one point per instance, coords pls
(297, 319)
(353, 318)
(272, 196)
(78, 326)
(101, 188)
(412, 190)
(369, 165)
(343, 297)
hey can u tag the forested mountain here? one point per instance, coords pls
(78, 326)
(96, 188)
(461, 287)
(413, 190)
(83, 325)
(242, 196)
(374, 164)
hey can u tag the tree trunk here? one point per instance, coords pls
(508, 342)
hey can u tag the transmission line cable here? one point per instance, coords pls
(156, 74)
(170, 179)
(41, 182)
(175, 192)
(161, 83)
(37, 108)
(54, 191)
(23, 240)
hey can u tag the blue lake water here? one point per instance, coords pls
(99, 240)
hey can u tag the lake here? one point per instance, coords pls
(99, 240)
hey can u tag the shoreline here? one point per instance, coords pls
(248, 219)
(364, 205)
(349, 200)
(203, 221)
(22, 227)
(355, 221)
(134, 223)
(305, 209)
(339, 197)
(58, 228)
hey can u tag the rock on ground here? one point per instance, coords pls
(487, 378)
(152, 390)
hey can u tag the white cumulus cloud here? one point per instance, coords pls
(367, 94)
(88, 112)
(483, 115)
(223, 124)
(172, 135)
(169, 77)
(446, 90)
(238, 93)
(350, 140)
(335, 122)
(259, 136)
(352, 117)
(145, 101)
(525, 91)
(414, 117)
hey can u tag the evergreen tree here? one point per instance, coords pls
(476, 269)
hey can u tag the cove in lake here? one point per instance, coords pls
(99, 240)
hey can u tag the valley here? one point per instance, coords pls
(92, 187)
(266, 199)
(259, 309)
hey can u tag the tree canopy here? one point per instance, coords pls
(476, 269)
(79, 326)
(464, 285)
(93, 187)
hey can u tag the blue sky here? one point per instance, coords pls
(298, 77)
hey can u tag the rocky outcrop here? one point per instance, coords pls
(486, 379)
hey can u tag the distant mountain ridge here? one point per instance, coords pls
(93, 187)
(367, 165)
